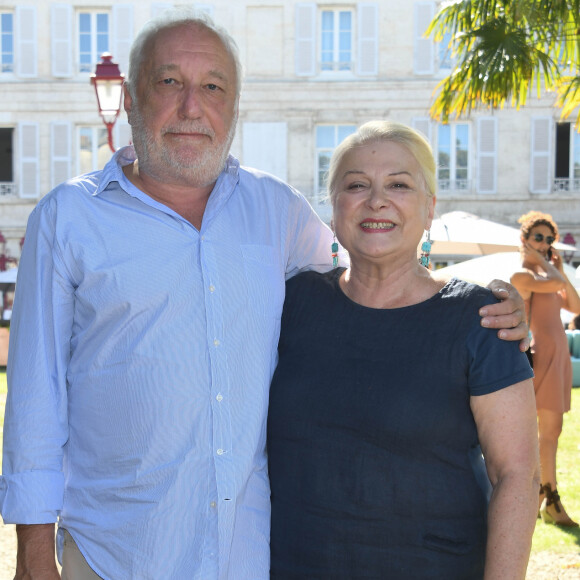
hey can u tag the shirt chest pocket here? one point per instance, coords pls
(265, 280)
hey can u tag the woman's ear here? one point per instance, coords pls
(430, 211)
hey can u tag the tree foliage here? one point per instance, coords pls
(504, 50)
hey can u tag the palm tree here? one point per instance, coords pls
(505, 48)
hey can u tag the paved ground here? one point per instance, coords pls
(543, 566)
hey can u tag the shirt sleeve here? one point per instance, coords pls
(494, 364)
(36, 426)
(309, 240)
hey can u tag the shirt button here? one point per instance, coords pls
(212, 504)
(219, 398)
(220, 451)
(212, 288)
(216, 342)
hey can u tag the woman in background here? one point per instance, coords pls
(546, 289)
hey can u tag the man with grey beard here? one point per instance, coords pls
(144, 336)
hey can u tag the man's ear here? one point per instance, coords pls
(127, 101)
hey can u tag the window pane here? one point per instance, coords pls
(345, 40)
(461, 151)
(102, 45)
(324, 136)
(323, 164)
(445, 51)
(7, 25)
(327, 40)
(345, 21)
(102, 23)
(461, 136)
(7, 42)
(85, 43)
(443, 151)
(344, 131)
(576, 157)
(104, 152)
(102, 137)
(84, 23)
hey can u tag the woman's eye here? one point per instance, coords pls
(355, 186)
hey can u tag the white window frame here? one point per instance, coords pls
(95, 53)
(454, 184)
(336, 62)
(9, 71)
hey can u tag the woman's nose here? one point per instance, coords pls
(378, 198)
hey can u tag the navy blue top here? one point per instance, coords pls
(374, 460)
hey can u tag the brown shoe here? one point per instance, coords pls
(552, 511)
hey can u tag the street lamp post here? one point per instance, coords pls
(569, 239)
(108, 82)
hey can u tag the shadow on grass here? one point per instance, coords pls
(572, 532)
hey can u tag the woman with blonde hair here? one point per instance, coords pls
(387, 391)
(546, 289)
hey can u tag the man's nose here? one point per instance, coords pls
(190, 106)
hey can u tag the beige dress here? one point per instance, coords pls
(552, 366)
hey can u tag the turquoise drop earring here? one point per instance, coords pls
(426, 250)
(334, 250)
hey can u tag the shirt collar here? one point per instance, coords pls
(113, 170)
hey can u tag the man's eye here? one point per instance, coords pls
(212, 87)
(168, 81)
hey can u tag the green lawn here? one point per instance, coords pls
(546, 537)
(554, 538)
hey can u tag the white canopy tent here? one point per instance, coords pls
(459, 233)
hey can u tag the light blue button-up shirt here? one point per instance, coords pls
(140, 359)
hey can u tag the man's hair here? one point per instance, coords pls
(390, 131)
(537, 218)
(173, 18)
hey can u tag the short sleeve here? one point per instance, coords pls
(494, 364)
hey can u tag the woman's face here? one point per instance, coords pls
(381, 206)
(542, 232)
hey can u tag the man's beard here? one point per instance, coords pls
(167, 164)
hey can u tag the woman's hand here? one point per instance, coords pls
(556, 260)
(531, 255)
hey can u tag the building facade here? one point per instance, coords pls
(314, 71)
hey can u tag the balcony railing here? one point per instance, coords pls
(566, 184)
(454, 184)
(8, 189)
